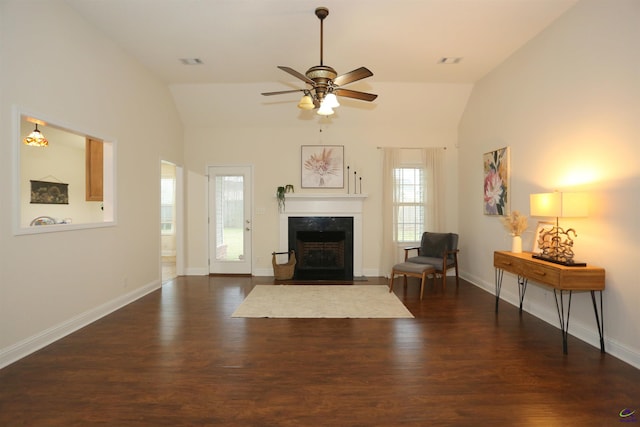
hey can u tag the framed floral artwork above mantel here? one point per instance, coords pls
(496, 197)
(322, 166)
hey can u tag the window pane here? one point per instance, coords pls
(409, 197)
(167, 191)
(167, 208)
(166, 213)
(229, 218)
(410, 223)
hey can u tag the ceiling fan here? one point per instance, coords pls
(324, 81)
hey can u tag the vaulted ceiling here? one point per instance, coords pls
(242, 41)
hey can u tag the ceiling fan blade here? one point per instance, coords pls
(280, 92)
(355, 94)
(352, 76)
(297, 74)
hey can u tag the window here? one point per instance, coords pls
(412, 201)
(167, 206)
(409, 192)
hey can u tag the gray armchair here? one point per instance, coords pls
(438, 249)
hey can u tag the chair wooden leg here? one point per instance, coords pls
(424, 279)
(393, 273)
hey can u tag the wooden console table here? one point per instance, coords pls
(564, 280)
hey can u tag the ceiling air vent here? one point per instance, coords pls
(191, 61)
(450, 60)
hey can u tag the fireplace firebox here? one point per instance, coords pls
(324, 247)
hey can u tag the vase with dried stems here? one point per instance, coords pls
(516, 224)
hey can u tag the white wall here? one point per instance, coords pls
(241, 127)
(53, 63)
(567, 104)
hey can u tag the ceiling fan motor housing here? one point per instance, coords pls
(323, 76)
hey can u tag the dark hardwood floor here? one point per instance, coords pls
(177, 358)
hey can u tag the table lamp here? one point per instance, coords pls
(556, 244)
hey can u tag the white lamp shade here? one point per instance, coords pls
(544, 204)
(559, 205)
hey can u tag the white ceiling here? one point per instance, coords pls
(242, 41)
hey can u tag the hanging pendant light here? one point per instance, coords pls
(36, 139)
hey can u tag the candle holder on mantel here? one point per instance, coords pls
(348, 192)
(356, 180)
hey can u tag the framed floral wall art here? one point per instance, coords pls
(496, 182)
(322, 166)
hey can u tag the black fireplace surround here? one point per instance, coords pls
(324, 247)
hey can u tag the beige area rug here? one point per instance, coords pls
(322, 301)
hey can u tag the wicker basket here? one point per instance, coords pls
(284, 271)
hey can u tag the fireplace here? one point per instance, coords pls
(324, 247)
(326, 205)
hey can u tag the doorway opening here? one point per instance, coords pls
(169, 220)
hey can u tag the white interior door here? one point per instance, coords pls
(230, 219)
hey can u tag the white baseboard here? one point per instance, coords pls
(548, 314)
(370, 272)
(196, 271)
(263, 272)
(35, 342)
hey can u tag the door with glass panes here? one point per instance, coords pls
(230, 219)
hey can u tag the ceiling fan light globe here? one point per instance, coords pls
(306, 103)
(325, 110)
(331, 100)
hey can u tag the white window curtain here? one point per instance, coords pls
(430, 159)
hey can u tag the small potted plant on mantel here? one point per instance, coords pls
(280, 195)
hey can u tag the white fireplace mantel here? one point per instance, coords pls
(324, 202)
(326, 196)
(326, 205)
